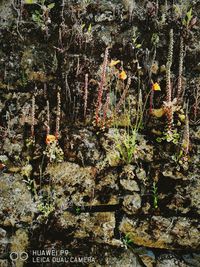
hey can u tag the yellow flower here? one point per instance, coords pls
(123, 75)
(50, 138)
(156, 87)
(114, 62)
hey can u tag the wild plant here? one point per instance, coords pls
(101, 87)
(85, 95)
(168, 104)
(171, 104)
(48, 119)
(196, 105)
(155, 195)
(58, 115)
(33, 116)
(126, 143)
(180, 72)
(41, 16)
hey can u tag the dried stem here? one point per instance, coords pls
(186, 135)
(169, 107)
(33, 116)
(123, 96)
(151, 100)
(101, 86)
(48, 118)
(168, 70)
(58, 115)
(105, 109)
(180, 72)
(196, 105)
(85, 94)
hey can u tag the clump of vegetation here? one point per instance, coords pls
(155, 195)
(53, 151)
(41, 16)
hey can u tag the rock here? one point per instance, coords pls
(130, 185)
(3, 242)
(128, 171)
(147, 256)
(2, 233)
(161, 232)
(132, 203)
(16, 203)
(88, 152)
(194, 193)
(170, 260)
(14, 148)
(4, 263)
(106, 189)
(19, 243)
(72, 180)
(6, 13)
(125, 259)
(171, 172)
(141, 174)
(192, 259)
(127, 179)
(80, 186)
(99, 225)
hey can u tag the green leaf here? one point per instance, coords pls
(90, 28)
(83, 26)
(189, 15)
(158, 139)
(30, 2)
(138, 45)
(50, 6)
(184, 22)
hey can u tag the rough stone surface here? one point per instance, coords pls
(170, 260)
(122, 177)
(98, 226)
(132, 203)
(16, 205)
(161, 232)
(88, 151)
(79, 186)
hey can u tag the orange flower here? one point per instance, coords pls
(50, 138)
(156, 87)
(123, 75)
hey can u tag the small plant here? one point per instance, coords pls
(127, 146)
(31, 185)
(41, 16)
(101, 88)
(53, 151)
(58, 115)
(126, 143)
(85, 97)
(169, 136)
(127, 240)
(45, 209)
(33, 117)
(78, 210)
(155, 195)
(135, 42)
(189, 21)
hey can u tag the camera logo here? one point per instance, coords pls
(23, 256)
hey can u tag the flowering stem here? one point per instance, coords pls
(85, 94)
(58, 115)
(101, 86)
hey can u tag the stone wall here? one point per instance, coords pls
(91, 161)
